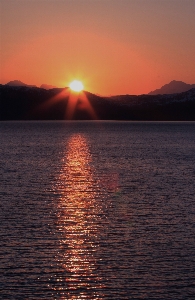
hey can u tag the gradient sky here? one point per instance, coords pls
(112, 46)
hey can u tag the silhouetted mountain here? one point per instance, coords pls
(25, 103)
(18, 83)
(48, 86)
(173, 87)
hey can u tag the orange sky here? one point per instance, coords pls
(112, 46)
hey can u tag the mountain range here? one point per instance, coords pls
(33, 103)
(169, 88)
(20, 83)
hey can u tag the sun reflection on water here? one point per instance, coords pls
(78, 219)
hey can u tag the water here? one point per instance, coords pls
(97, 210)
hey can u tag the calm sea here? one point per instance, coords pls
(97, 210)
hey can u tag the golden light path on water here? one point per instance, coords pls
(78, 213)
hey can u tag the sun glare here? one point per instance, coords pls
(76, 86)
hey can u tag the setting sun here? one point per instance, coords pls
(76, 86)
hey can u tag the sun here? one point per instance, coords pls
(76, 86)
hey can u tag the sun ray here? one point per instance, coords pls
(75, 101)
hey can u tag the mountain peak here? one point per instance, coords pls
(18, 83)
(173, 87)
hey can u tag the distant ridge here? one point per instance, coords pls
(48, 86)
(18, 83)
(173, 87)
(30, 103)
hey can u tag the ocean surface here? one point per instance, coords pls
(97, 210)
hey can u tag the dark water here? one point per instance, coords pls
(97, 210)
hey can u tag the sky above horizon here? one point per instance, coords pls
(112, 46)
